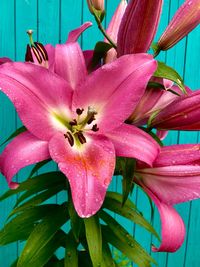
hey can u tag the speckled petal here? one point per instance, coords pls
(89, 169)
(25, 149)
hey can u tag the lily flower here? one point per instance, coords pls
(154, 101)
(76, 119)
(138, 26)
(182, 114)
(184, 21)
(174, 178)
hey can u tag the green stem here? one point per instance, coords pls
(100, 26)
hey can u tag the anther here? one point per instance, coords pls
(70, 138)
(28, 56)
(73, 122)
(91, 119)
(42, 50)
(81, 138)
(95, 128)
(79, 111)
(36, 53)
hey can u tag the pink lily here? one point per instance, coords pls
(174, 178)
(70, 120)
(154, 100)
(181, 114)
(113, 29)
(4, 60)
(138, 26)
(184, 21)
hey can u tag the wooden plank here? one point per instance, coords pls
(7, 114)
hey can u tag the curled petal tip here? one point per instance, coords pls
(13, 185)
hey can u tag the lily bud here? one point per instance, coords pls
(95, 4)
(138, 27)
(185, 20)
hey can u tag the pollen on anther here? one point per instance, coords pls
(95, 128)
(79, 111)
(70, 138)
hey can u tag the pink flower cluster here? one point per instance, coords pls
(83, 120)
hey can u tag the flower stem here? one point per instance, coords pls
(101, 28)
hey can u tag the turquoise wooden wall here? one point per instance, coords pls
(52, 20)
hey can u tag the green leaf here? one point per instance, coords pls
(37, 183)
(14, 264)
(75, 221)
(94, 239)
(38, 166)
(130, 214)
(116, 235)
(43, 256)
(71, 253)
(17, 132)
(164, 71)
(107, 256)
(42, 235)
(118, 197)
(21, 226)
(38, 199)
(100, 50)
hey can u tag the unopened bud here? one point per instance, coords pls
(95, 4)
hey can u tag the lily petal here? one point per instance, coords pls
(70, 64)
(181, 114)
(130, 141)
(4, 60)
(175, 177)
(173, 228)
(89, 170)
(51, 56)
(113, 29)
(36, 94)
(25, 149)
(104, 93)
(138, 26)
(75, 34)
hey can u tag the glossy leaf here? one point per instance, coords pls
(38, 199)
(14, 134)
(116, 235)
(107, 256)
(38, 166)
(118, 197)
(21, 226)
(71, 252)
(164, 71)
(94, 239)
(130, 214)
(42, 235)
(41, 181)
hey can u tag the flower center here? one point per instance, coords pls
(77, 126)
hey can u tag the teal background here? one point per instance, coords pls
(52, 20)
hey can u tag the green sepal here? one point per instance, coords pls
(71, 252)
(94, 239)
(117, 236)
(164, 71)
(42, 234)
(14, 134)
